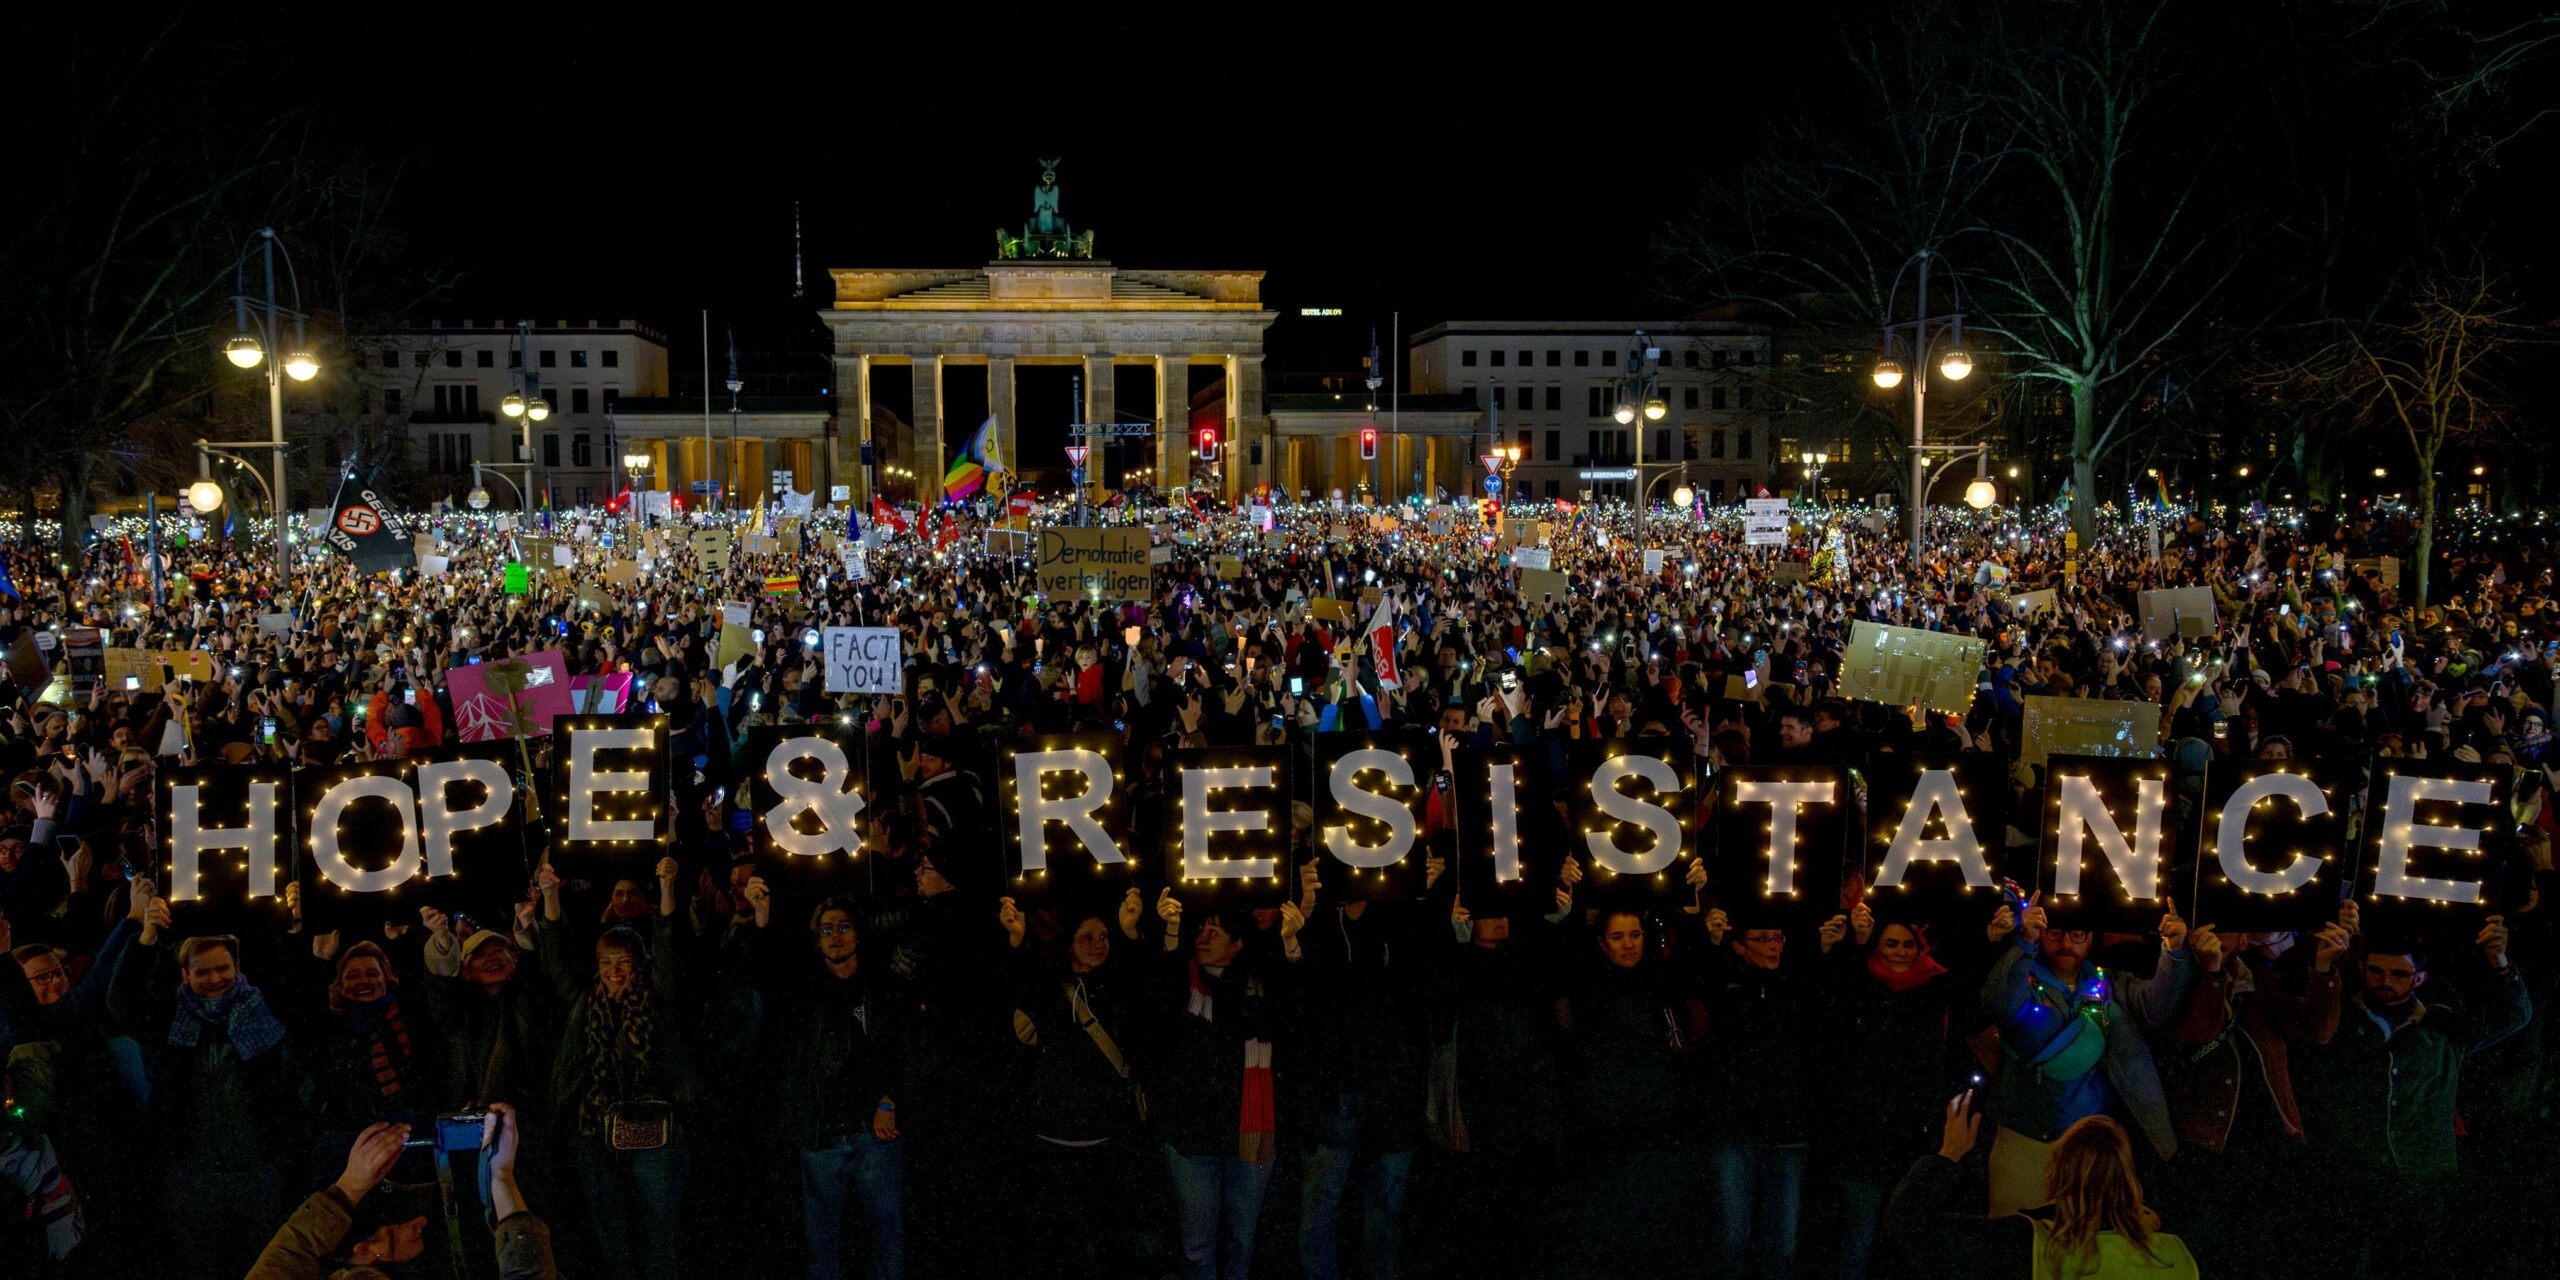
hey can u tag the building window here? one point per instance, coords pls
(485, 358)
(578, 400)
(1467, 359)
(612, 397)
(1723, 357)
(577, 359)
(1688, 397)
(1555, 399)
(1750, 356)
(1718, 399)
(1498, 396)
(471, 398)
(1595, 402)
(1662, 444)
(1581, 359)
(1554, 358)
(1497, 359)
(391, 403)
(612, 359)
(1690, 357)
(582, 495)
(1715, 445)
(1528, 359)
(1742, 444)
(419, 359)
(550, 359)
(390, 359)
(1528, 447)
(515, 358)
(1555, 446)
(1744, 396)
(453, 359)
(550, 449)
(582, 452)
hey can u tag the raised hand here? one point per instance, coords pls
(370, 1158)
(1833, 930)
(2173, 928)
(439, 925)
(2034, 923)
(2208, 947)
(1132, 907)
(1862, 922)
(759, 900)
(2493, 941)
(1718, 924)
(2328, 945)
(1432, 866)
(1291, 920)
(1010, 916)
(1962, 1129)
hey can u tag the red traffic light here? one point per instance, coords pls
(1208, 444)
(1368, 444)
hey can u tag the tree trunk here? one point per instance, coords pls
(2426, 528)
(74, 507)
(2084, 462)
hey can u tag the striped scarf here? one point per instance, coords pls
(1257, 1123)
(386, 1042)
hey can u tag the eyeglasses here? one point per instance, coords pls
(834, 930)
(48, 975)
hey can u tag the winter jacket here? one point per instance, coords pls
(1074, 1093)
(671, 1076)
(209, 1107)
(428, 732)
(1631, 1035)
(306, 1246)
(1359, 1018)
(2035, 1009)
(2237, 1035)
(1195, 1067)
(491, 1048)
(1758, 1056)
(1890, 1060)
(1495, 1008)
(2379, 1097)
(840, 1043)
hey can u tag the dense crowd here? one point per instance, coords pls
(918, 1074)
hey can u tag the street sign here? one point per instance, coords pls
(1493, 484)
(706, 486)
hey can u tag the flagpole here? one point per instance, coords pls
(706, 401)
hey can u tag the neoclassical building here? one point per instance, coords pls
(1045, 301)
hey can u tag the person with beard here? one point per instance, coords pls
(2072, 1033)
(838, 1028)
(2379, 1100)
(226, 1096)
(1893, 1045)
(357, 1226)
(1075, 1013)
(1213, 1018)
(622, 1079)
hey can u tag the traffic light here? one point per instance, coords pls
(1368, 444)
(1208, 444)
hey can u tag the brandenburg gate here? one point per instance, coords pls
(1045, 300)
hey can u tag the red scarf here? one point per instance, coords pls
(1257, 1122)
(1921, 970)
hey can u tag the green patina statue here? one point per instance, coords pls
(1047, 234)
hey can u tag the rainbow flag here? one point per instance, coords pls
(968, 473)
(2162, 482)
(787, 584)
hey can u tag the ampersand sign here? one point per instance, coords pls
(824, 795)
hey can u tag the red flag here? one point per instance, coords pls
(1381, 632)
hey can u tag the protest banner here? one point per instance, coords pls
(801, 790)
(1906, 666)
(1533, 558)
(1934, 845)
(2088, 727)
(1093, 564)
(1782, 835)
(1067, 812)
(1628, 819)
(516, 697)
(2272, 851)
(603, 695)
(2109, 855)
(1544, 586)
(1226, 826)
(1764, 522)
(1369, 812)
(2439, 845)
(864, 660)
(2177, 611)
(609, 782)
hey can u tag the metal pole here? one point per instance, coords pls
(1919, 412)
(275, 425)
(706, 405)
(151, 509)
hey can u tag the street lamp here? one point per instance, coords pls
(204, 495)
(1640, 391)
(1955, 364)
(1813, 465)
(637, 463)
(247, 349)
(1980, 494)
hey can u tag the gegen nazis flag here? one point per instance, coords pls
(360, 531)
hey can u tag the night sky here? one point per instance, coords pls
(1445, 175)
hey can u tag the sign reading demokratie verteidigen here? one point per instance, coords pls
(1097, 564)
